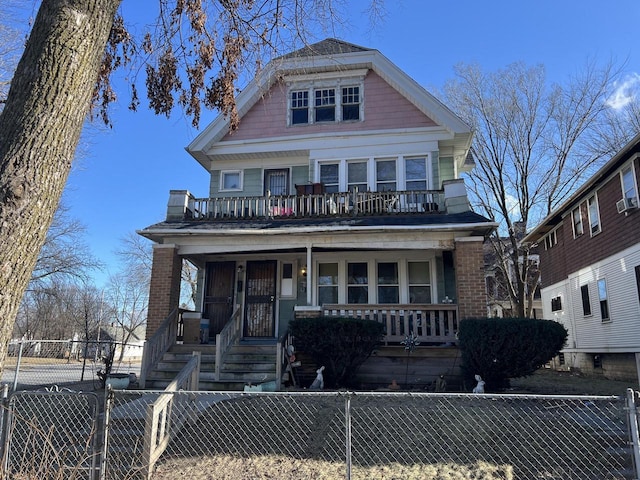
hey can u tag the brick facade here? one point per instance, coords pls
(164, 288)
(469, 265)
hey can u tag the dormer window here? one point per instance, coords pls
(325, 105)
(325, 98)
(350, 103)
(299, 107)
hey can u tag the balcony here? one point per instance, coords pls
(338, 204)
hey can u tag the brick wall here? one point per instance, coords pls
(164, 289)
(469, 265)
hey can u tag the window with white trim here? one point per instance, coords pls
(419, 282)
(629, 188)
(386, 175)
(327, 283)
(317, 100)
(556, 304)
(357, 176)
(603, 298)
(350, 103)
(415, 173)
(388, 282)
(299, 107)
(231, 180)
(586, 301)
(357, 282)
(325, 105)
(330, 177)
(550, 240)
(576, 218)
(594, 215)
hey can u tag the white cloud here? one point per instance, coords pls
(624, 91)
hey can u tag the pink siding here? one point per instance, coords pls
(384, 108)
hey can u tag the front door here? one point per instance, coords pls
(218, 300)
(260, 299)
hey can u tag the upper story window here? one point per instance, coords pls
(350, 103)
(576, 218)
(550, 240)
(329, 176)
(629, 189)
(357, 176)
(326, 97)
(325, 105)
(594, 215)
(416, 173)
(386, 175)
(230, 180)
(299, 107)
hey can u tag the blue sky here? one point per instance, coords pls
(122, 177)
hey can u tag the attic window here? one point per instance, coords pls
(350, 103)
(299, 107)
(325, 105)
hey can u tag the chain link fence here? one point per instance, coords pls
(34, 364)
(320, 435)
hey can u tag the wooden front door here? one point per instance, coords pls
(219, 292)
(260, 299)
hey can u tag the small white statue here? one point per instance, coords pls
(479, 388)
(318, 383)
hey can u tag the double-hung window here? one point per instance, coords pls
(386, 175)
(350, 103)
(388, 282)
(629, 190)
(419, 282)
(415, 173)
(327, 283)
(299, 107)
(357, 176)
(325, 105)
(576, 217)
(330, 177)
(586, 301)
(604, 302)
(594, 215)
(357, 282)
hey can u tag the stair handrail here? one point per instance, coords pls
(165, 417)
(156, 346)
(227, 337)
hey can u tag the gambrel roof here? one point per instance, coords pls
(332, 55)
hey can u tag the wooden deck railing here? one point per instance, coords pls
(327, 204)
(430, 323)
(165, 417)
(158, 344)
(228, 336)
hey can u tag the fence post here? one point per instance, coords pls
(347, 414)
(4, 415)
(15, 375)
(108, 405)
(633, 424)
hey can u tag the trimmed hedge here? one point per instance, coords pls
(498, 349)
(340, 344)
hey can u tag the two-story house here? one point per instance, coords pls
(590, 264)
(338, 194)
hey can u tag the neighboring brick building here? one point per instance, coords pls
(590, 263)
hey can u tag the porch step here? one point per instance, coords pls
(247, 363)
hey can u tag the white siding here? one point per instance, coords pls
(563, 316)
(622, 331)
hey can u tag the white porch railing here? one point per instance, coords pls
(229, 335)
(165, 417)
(158, 344)
(326, 204)
(430, 323)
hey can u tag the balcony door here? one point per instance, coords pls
(219, 293)
(276, 181)
(260, 299)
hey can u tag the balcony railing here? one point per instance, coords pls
(317, 205)
(432, 324)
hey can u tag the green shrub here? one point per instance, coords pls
(340, 344)
(498, 349)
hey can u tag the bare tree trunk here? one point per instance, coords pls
(40, 127)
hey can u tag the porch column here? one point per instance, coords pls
(164, 288)
(470, 286)
(309, 273)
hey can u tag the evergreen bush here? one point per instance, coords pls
(498, 349)
(340, 344)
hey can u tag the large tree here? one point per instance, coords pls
(194, 56)
(534, 144)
